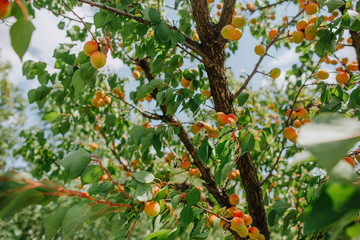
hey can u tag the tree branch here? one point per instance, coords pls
(226, 13)
(191, 44)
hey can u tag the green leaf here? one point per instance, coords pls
(50, 116)
(163, 193)
(53, 222)
(163, 32)
(188, 75)
(136, 134)
(91, 174)
(144, 191)
(204, 151)
(157, 65)
(334, 4)
(329, 137)
(281, 206)
(99, 19)
(78, 82)
(20, 33)
(144, 90)
(242, 98)
(154, 16)
(186, 215)
(143, 177)
(193, 197)
(158, 235)
(247, 143)
(75, 163)
(146, 139)
(74, 219)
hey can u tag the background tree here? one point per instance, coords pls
(227, 165)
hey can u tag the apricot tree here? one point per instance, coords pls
(207, 150)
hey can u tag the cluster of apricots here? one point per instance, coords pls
(147, 98)
(187, 83)
(234, 174)
(137, 72)
(100, 99)
(212, 131)
(240, 223)
(301, 113)
(223, 119)
(119, 93)
(97, 58)
(232, 31)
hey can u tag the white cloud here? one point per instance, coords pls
(286, 58)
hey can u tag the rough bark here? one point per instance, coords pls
(356, 43)
(213, 45)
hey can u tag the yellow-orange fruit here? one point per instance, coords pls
(232, 119)
(237, 224)
(247, 219)
(311, 8)
(219, 6)
(230, 211)
(301, 24)
(90, 47)
(237, 36)
(218, 13)
(297, 123)
(238, 213)
(98, 127)
(234, 199)
(354, 67)
(298, 37)
(210, 220)
(273, 33)
(221, 118)
(136, 74)
(275, 73)
(253, 21)
(185, 165)
(292, 116)
(98, 59)
(306, 120)
(301, 112)
(206, 93)
(289, 132)
(195, 128)
(152, 209)
(185, 83)
(254, 232)
(192, 86)
(97, 102)
(185, 157)
(228, 31)
(251, 6)
(238, 21)
(94, 146)
(260, 49)
(313, 20)
(310, 29)
(196, 173)
(322, 74)
(342, 77)
(210, 1)
(350, 160)
(100, 94)
(107, 100)
(148, 98)
(231, 175)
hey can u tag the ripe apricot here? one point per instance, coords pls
(219, 6)
(310, 29)
(297, 123)
(234, 199)
(230, 211)
(97, 102)
(244, 232)
(238, 213)
(251, 6)
(311, 8)
(185, 165)
(221, 118)
(136, 74)
(231, 175)
(350, 160)
(273, 33)
(196, 173)
(238, 21)
(298, 37)
(195, 128)
(292, 116)
(260, 49)
(185, 83)
(94, 146)
(98, 59)
(313, 20)
(323, 74)
(107, 100)
(289, 132)
(237, 224)
(301, 24)
(275, 73)
(342, 77)
(210, 1)
(210, 220)
(238, 35)
(152, 209)
(301, 112)
(100, 94)
(254, 232)
(247, 219)
(228, 31)
(90, 47)
(206, 93)
(5, 8)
